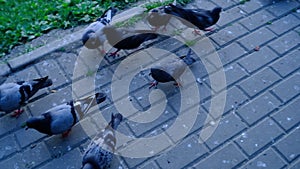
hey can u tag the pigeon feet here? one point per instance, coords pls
(114, 54)
(65, 134)
(177, 84)
(209, 29)
(196, 32)
(153, 84)
(17, 113)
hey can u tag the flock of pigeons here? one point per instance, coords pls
(60, 119)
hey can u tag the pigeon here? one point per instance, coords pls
(171, 69)
(60, 119)
(200, 18)
(15, 95)
(99, 153)
(126, 38)
(93, 36)
(158, 18)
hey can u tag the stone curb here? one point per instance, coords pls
(34, 55)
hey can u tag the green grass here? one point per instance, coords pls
(153, 5)
(24, 20)
(129, 22)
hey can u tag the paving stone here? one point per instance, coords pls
(251, 6)
(258, 59)
(235, 97)
(50, 68)
(233, 74)
(284, 24)
(8, 145)
(7, 123)
(228, 34)
(287, 64)
(61, 96)
(58, 146)
(289, 88)
(268, 159)
(69, 161)
(254, 139)
(289, 145)
(259, 82)
(230, 53)
(204, 4)
(258, 108)
(257, 38)
(150, 165)
(296, 165)
(28, 159)
(4, 69)
(288, 117)
(27, 137)
(285, 42)
(283, 7)
(230, 15)
(141, 128)
(225, 158)
(173, 158)
(228, 127)
(224, 4)
(257, 19)
(67, 62)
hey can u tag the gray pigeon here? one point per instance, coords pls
(93, 36)
(99, 153)
(171, 70)
(200, 18)
(158, 18)
(14, 95)
(60, 119)
(127, 38)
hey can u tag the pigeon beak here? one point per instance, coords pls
(23, 125)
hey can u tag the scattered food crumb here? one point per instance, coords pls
(256, 48)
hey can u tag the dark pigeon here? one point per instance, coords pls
(14, 95)
(99, 153)
(127, 39)
(170, 70)
(193, 18)
(60, 119)
(93, 36)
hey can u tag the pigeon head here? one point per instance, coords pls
(40, 123)
(86, 36)
(217, 10)
(100, 97)
(115, 120)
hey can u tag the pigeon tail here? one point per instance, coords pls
(115, 120)
(35, 85)
(107, 15)
(187, 58)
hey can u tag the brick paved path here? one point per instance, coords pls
(259, 127)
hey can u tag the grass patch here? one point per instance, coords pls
(156, 4)
(244, 1)
(24, 20)
(129, 22)
(191, 42)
